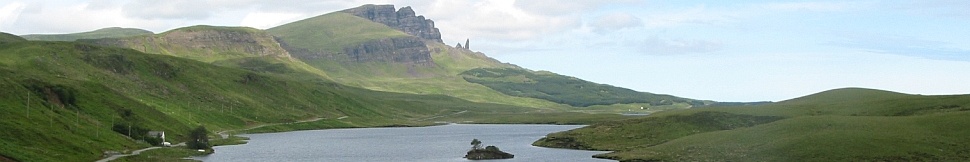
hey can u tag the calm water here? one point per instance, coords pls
(424, 144)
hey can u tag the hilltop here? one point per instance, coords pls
(7, 37)
(851, 124)
(112, 32)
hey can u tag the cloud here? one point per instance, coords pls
(173, 9)
(695, 15)
(902, 45)
(810, 6)
(557, 7)
(499, 20)
(10, 12)
(657, 46)
(265, 20)
(615, 21)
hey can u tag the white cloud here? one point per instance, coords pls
(264, 20)
(10, 12)
(694, 15)
(810, 6)
(494, 20)
(657, 46)
(557, 7)
(615, 21)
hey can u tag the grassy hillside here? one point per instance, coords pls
(81, 96)
(330, 33)
(7, 37)
(202, 42)
(564, 89)
(113, 32)
(442, 78)
(838, 125)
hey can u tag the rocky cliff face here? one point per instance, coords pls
(206, 41)
(404, 20)
(409, 50)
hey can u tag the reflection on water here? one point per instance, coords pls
(425, 144)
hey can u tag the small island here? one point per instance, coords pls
(487, 153)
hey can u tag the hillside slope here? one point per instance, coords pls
(7, 37)
(70, 102)
(332, 43)
(563, 89)
(850, 124)
(113, 32)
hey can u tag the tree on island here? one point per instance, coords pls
(490, 152)
(476, 144)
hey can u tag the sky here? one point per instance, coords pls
(712, 50)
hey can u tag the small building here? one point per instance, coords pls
(159, 134)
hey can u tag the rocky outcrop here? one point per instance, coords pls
(489, 153)
(207, 41)
(404, 20)
(408, 50)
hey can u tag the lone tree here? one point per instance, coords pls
(476, 144)
(199, 138)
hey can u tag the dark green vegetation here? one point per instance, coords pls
(78, 93)
(563, 89)
(113, 32)
(7, 37)
(486, 153)
(838, 125)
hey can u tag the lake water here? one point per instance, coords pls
(418, 144)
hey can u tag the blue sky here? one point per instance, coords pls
(716, 50)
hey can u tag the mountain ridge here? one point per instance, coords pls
(110, 32)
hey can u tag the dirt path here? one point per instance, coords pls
(224, 134)
(441, 116)
(136, 152)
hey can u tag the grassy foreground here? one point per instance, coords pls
(838, 125)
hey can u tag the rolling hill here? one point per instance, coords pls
(849, 124)
(7, 37)
(71, 101)
(112, 32)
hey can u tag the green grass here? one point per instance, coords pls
(113, 32)
(163, 154)
(7, 37)
(839, 125)
(203, 43)
(330, 33)
(100, 87)
(441, 79)
(563, 89)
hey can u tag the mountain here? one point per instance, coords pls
(203, 43)
(851, 124)
(378, 48)
(113, 32)
(359, 52)
(68, 101)
(403, 20)
(7, 37)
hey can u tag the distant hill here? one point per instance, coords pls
(203, 43)
(7, 37)
(851, 124)
(113, 32)
(563, 89)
